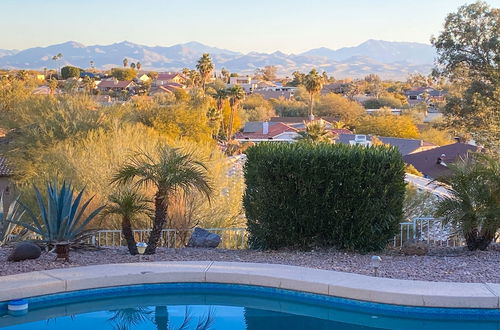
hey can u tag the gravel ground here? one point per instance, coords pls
(444, 264)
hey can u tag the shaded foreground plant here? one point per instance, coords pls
(474, 204)
(169, 170)
(62, 216)
(8, 213)
(128, 204)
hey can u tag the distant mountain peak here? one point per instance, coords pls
(394, 60)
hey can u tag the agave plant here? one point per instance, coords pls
(8, 213)
(62, 217)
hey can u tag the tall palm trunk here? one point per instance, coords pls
(230, 128)
(158, 223)
(311, 105)
(129, 235)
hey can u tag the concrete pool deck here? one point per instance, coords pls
(338, 284)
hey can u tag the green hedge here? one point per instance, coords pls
(301, 196)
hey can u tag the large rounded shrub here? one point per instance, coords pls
(301, 195)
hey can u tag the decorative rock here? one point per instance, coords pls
(204, 239)
(24, 251)
(415, 248)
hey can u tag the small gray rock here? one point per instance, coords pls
(24, 251)
(204, 239)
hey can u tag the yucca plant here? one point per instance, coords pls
(8, 212)
(61, 216)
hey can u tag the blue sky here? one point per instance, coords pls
(291, 26)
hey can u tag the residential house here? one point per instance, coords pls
(143, 78)
(6, 186)
(116, 85)
(425, 94)
(405, 146)
(433, 163)
(286, 93)
(165, 89)
(276, 131)
(245, 82)
(165, 78)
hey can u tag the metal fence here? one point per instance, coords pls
(429, 230)
(232, 238)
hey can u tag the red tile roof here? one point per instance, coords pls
(275, 129)
(167, 75)
(114, 84)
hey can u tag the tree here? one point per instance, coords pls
(138, 66)
(388, 125)
(374, 85)
(52, 83)
(132, 65)
(205, 68)
(123, 74)
(313, 83)
(335, 105)
(267, 73)
(316, 132)
(70, 72)
(125, 62)
(469, 56)
(298, 79)
(56, 58)
(473, 204)
(88, 84)
(236, 95)
(387, 100)
(257, 108)
(168, 170)
(225, 74)
(128, 204)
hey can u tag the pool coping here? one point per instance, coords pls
(325, 282)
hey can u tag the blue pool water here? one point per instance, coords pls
(219, 306)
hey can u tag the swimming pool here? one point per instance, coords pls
(230, 306)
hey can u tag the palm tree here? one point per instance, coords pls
(205, 68)
(88, 84)
(169, 171)
(129, 204)
(474, 202)
(313, 83)
(52, 84)
(132, 65)
(125, 62)
(138, 65)
(316, 132)
(236, 94)
(56, 58)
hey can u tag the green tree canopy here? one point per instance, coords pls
(70, 72)
(123, 74)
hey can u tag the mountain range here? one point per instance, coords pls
(390, 60)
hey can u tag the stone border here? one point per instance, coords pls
(338, 284)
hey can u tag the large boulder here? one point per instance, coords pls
(204, 239)
(415, 248)
(24, 251)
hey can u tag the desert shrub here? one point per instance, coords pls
(302, 195)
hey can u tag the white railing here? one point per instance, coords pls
(429, 230)
(232, 238)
